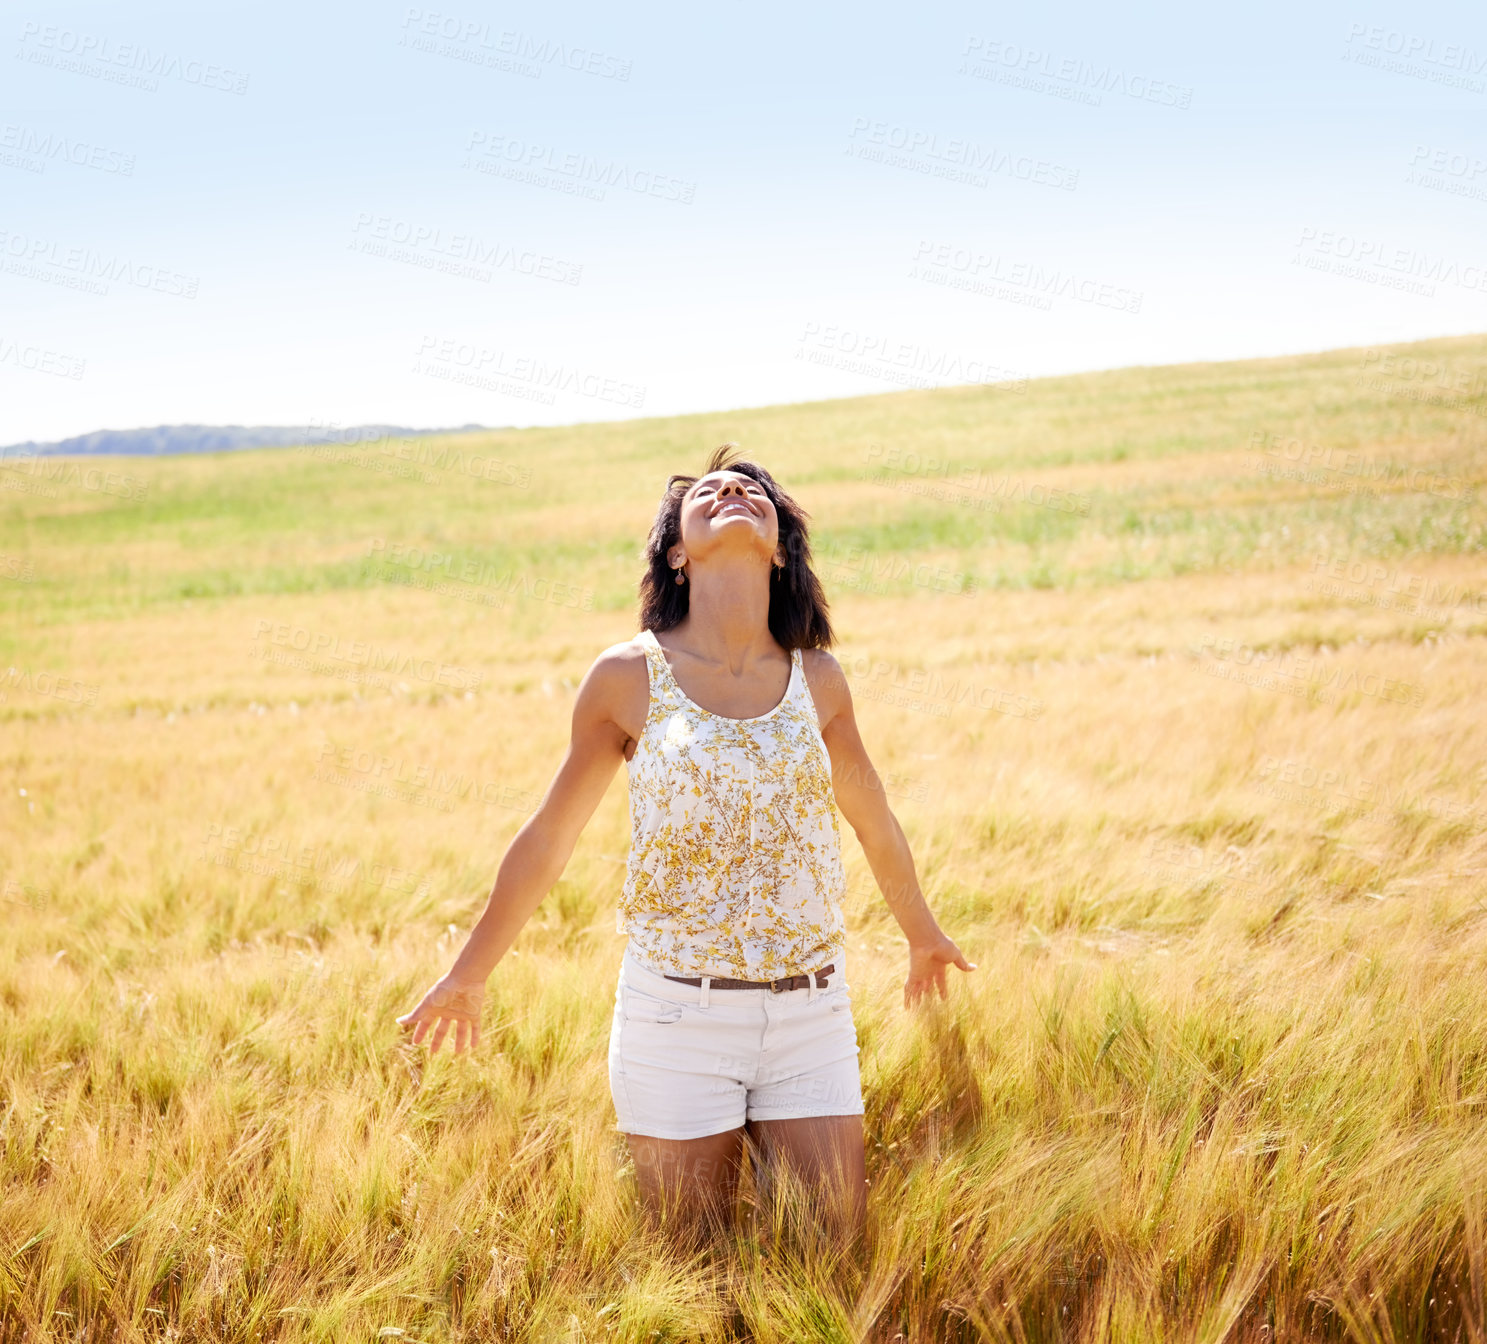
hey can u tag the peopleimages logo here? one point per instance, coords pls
(483, 46)
(1436, 373)
(55, 685)
(38, 359)
(1366, 258)
(1319, 787)
(1414, 47)
(983, 272)
(518, 375)
(318, 651)
(1457, 387)
(896, 463)
(930, 690)
(21, 146)
(481, 574)
(524, 160)
(460, 254)
(94, 53)
(1366, 469)
(420, 782)
(40, 473)
(1305, 675)
(904, 362)
(1390, 587)
(1082, 81)
(953, 158)
(266, 853)
(83, 268)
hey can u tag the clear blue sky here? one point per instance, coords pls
(316, 214)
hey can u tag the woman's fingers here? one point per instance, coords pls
(466, 1029)
(929, 964)
(457, 1005)
(951, 955)
(933, 975)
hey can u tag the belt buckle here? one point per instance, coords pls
(774, 985)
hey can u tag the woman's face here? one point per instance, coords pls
(723, 511)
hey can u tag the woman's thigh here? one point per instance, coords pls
(817, 1142)
(826, 1151)
(688, 1173)
(697, 1175)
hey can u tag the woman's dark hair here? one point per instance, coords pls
(798, 616)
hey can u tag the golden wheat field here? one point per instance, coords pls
(1175, 676)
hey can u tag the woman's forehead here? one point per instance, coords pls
(716, 476)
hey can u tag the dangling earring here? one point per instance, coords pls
(680, 577)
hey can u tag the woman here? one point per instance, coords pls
(732, 1025)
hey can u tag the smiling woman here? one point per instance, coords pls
(732, 1029)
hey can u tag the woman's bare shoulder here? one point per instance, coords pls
(619, 666)
(827, 682)
(618, 684)
(625, 653)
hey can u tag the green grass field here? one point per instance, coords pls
(1176, 678)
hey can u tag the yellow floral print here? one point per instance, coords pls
(735, 864)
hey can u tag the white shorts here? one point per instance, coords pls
(682, 1068)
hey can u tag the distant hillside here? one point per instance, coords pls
(162, 439)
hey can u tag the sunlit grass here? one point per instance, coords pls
(1223, 1065)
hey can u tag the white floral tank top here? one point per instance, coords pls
(735, 864)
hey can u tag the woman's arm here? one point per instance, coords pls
(862, 800)
(536, 857)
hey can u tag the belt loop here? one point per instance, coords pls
(706, 983)
(810, 986)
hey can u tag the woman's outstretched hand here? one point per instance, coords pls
(450, 1003)
(927, 963)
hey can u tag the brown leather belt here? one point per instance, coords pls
(786, 982)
